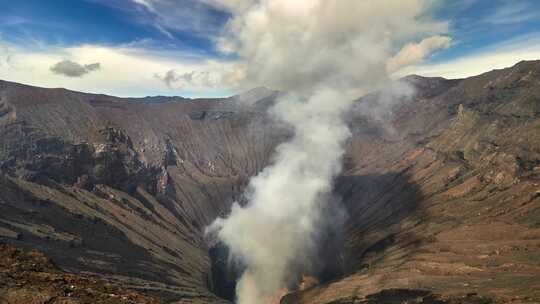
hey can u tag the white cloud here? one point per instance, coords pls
(193, 16)
(498, 56)
(513, 12)
(125, 70)
(414, 53)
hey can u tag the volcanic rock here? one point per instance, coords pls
(441, 192)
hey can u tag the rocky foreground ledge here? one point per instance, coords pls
(29, 277)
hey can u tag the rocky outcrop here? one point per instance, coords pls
(400, 296)
(29, 277)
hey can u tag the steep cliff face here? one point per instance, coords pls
(441, 189)
(124, 188)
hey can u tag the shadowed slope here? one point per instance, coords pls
(456, 211)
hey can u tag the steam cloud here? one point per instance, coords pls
(414, 52)
(212, 78)
(323, 54)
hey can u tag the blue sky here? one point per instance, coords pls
(168, 35)
(109, 22)
(479, 24)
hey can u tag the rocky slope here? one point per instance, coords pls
(124, 188)
(29, 277)
(449, 200)
(441, 189)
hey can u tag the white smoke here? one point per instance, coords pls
(414, 53)
(323, 54)
(210, 78)
(380, 106)
(278, 224)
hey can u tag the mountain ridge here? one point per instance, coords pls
(439, 186)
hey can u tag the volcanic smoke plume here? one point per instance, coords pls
(323, 54)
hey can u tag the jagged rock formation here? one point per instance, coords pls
(441, 189)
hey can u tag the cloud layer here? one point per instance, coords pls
(125, 70)
(262, 26)
(194, 16)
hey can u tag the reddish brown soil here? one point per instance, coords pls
(28, 277)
